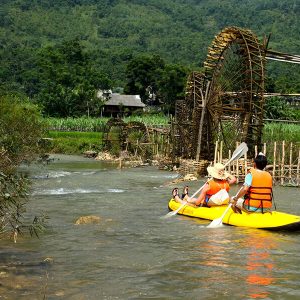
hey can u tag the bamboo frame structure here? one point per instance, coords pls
(284, 163)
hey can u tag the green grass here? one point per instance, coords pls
(281, 132)
(74, 142)
(75, 134)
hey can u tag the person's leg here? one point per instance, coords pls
(176, 196)
(185, 193)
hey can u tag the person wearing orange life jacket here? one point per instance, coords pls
(257, 189)
(218, 185)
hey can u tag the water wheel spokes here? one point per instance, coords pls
(235, 67)
(114, 136)
(138, 139)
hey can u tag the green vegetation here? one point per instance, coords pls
(56, 51)
(76, 124)
(156, 82)
(281, 132)
(21, 129)
(277, 108)
(98, 124)
(89, 132)
(74, 142)
(64, 81)
(149, 119)
(76, 135)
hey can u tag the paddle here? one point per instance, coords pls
(219, 222)
(239, 152)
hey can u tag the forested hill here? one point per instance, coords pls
(115, 31)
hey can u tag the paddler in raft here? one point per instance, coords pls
(256, 193)
(214, 192)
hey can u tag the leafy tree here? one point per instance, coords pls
(172, 85)
(277, 108)
(21, 128)
(155, 81)
(143, 73)
(67, 81)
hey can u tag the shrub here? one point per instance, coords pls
(21, 128)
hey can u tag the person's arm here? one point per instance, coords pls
(201, 197)
(244, 189)
(241, 193)
(231, 179)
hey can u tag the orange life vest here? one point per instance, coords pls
(260, 192)
(216, 186)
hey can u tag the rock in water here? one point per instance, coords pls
(88, 220)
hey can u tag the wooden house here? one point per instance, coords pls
(118, 104)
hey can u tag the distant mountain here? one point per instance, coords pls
(115, 31)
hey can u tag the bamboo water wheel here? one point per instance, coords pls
(137, 139)
(226, 101)
(132, 137)
(114, 136)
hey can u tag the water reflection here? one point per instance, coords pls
(240, 261)
(260, 263)
(217, 248)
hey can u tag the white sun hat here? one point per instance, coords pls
(218, 171)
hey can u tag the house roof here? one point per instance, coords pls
(116, 99)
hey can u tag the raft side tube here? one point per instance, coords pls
(272, 221)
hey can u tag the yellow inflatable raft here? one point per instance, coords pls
(270, 220)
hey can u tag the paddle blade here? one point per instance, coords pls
(239, 151)
(170, 214)
(175, 212)
(219, 222)
(215, 223)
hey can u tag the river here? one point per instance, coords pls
(134, 253)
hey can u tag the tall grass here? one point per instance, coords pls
(76, 124)
(98, 124)
(281, 132)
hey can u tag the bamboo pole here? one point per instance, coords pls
(245, 165)
(274, 161)
(255, 150)
(298, 168)
(167, 146)
(265, 149)
(136, 149)
(154, 143)
(152, 140)
(221, 152)
(237, 166)
(199, 139)
(291, 162)
(229, 165)
(282, 163)
(216, 151)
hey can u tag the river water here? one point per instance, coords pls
(133, 253)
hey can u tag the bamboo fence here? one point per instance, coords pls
(283, 162)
